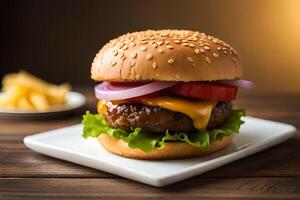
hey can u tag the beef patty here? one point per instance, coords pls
(128, 116)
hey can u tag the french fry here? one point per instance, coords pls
(13, 94)
(57, 95)
(39, 101)
(25, 91)
(26, 80)
(24, 104)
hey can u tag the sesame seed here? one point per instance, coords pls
(219, 48)
(170, 61)
(160, 43)
(155, 45)
(215, 55)
(115, 53)
(207, 48)
(149, 56)
(215, 40)
(202, 50)
(201, 45)
(169, 46)
(190, 59)
(132, 44)
(124, 57)
(197, 51)
(167, 42)
(113, 63)
(152, 42)
(234, 51)
(225, 52)
(207, 59)
(132, 63)
(133, 55)
(185, 44)
(125, 47)
(234, 60)
(176, 41)
(143, 48)
(160, 50)
(121, 45)
(191, 45)
(154, 65)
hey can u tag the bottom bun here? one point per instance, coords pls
(172, 150)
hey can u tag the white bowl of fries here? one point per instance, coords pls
(25, 94)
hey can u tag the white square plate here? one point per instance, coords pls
(67, 144)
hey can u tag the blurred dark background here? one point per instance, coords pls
(57, 39)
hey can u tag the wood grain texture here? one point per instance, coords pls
(195, 188)
(271, 174)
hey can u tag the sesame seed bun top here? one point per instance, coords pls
(166, 55)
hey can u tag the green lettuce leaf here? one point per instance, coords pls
(94, 125)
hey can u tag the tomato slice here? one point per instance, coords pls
(205, 91)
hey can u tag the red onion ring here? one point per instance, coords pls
(106, 91)
(238, 83)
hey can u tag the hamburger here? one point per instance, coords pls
(165, 94)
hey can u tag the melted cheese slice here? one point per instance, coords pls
(199, 111)
(102, 105)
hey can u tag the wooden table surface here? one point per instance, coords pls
(271, 174)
